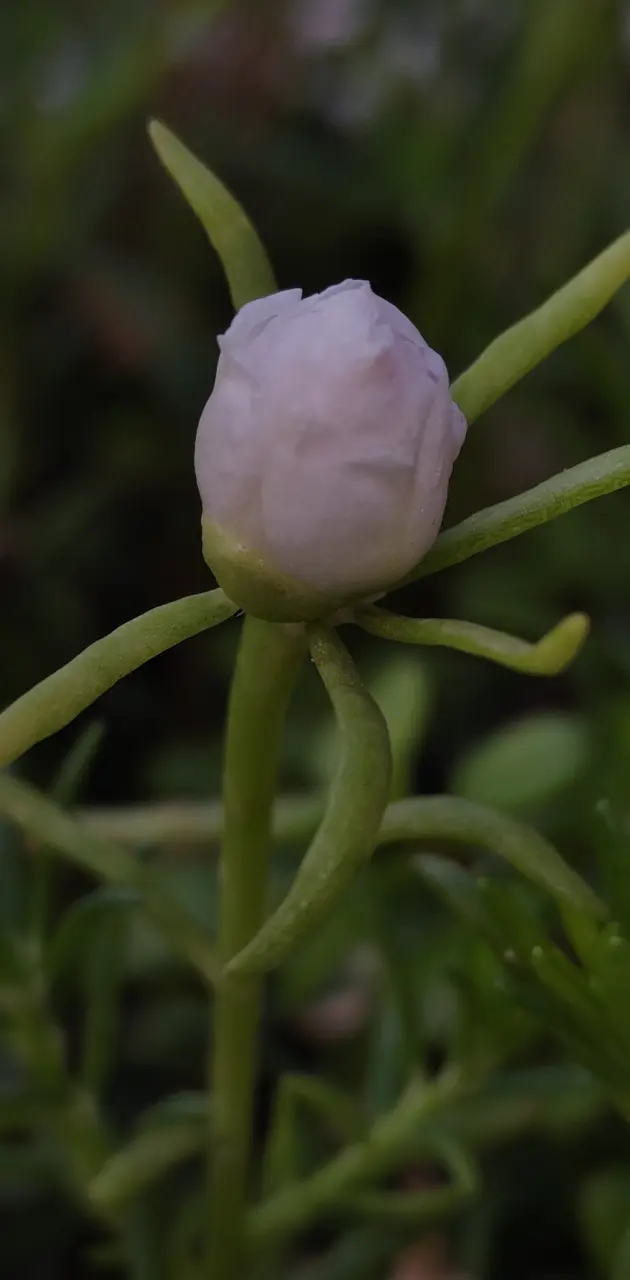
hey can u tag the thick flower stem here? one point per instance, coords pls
(266, 670)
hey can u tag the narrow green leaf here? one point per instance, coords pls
(458, 890)
(515, 914)
(532, 339)
(232, 235)
(402, 689)
(145, 1159)
(583, 934)
(554, 497)
(364, 1253)
(621, 1265)
(609, 979)
(77, 763)
(546, 657)
(522, 766)
(580, 1003)
(64, 790)
(349, 829)
(356, 1166)
(612, 842)
(603, 1208)
(72, 939)
(53, 703)
(191, 1108)
(102, 977)
(421, 1208)
(450, 818)
(300, 1097)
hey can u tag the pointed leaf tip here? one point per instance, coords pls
(232, 235)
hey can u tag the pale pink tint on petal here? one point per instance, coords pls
(255, 314)
(328, 441)
(401, 325)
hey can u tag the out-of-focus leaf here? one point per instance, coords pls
(77, 763)
(603, 1208)
(103, 973)
(609, 979)
(190, 1108)
(612, 847)
(402, 690)
(75, 934)
(146, 1159)
(300, 1098)
(424, 1208)
(65, 790)
(229, 230)
(458, 890)
(524, 766)
(582, 932)
(360, 1254)
(516, 914)
(464, 822)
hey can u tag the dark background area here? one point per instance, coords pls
(466, 158)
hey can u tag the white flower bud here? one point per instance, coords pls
(324, 453)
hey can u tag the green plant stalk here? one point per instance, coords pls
(192, 823)
(68, 1112)
(268, 662)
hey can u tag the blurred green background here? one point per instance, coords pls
(465, 157)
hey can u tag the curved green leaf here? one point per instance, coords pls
(232, 235)
(146, 1158)
(44, 821)
(356, 1166)
(76, 930)
(53, 703)
(546, 657)
(526, 764)
(451, 818)
(424, 1208)
(356, 802)
(528, 342)
(296, 1097)
(555, 497)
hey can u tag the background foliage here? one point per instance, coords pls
(466, 158)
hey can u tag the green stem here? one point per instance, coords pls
(266, 670)
(190, 823)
